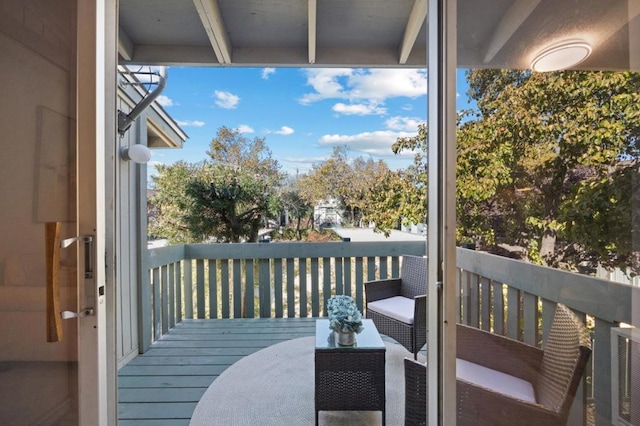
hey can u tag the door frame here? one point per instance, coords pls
(96, 136)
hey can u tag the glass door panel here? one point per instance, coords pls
(547, 162)
(38, 363)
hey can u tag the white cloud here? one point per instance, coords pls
(190, 123)
(373, 143)
(165, 101)
(409, 124)
(374, 86)
(226, 100)
(284, 130)
(243, 128)
(325, 84)
(266, 72)
(359, 109)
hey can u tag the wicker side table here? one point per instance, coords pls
(349, 377)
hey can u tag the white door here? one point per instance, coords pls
(52, 370)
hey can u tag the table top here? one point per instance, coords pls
(368, 338)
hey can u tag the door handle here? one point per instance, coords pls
(52, 250)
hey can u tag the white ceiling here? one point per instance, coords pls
(371, 33)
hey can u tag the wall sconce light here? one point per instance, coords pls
(561, 56)
(137, 153)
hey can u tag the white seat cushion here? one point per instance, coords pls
(495, 380)
(397, 307)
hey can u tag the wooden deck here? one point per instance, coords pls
(163, 386)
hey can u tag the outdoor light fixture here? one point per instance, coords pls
(561, 56)
(137, 153)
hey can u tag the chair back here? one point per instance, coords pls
(413, 276)
(566, 353)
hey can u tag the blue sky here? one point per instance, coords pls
(301, 113)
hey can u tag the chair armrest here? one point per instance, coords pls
(381, 289)
(498, 352)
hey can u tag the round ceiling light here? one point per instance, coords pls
(561, 56)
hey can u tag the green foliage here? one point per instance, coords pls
(541, 150)
(400, 197)
(601, 213)
(225, 199)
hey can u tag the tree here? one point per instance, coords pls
(295, 206)
(350, 182)
(401, 196)
(171, 201)
(553, 140)
(329, 179)
(226, 199)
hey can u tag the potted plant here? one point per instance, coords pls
(344, 319)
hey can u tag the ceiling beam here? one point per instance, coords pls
(213, 23)
(125, 45)
(313, 15)
(518, 12)
(414, 24)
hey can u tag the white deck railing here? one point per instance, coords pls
(267, 280)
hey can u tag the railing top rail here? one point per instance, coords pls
(604, 299)
(161, 256)
(303, 250)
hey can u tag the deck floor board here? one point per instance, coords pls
(163, 385)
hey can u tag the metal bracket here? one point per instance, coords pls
(88, 252)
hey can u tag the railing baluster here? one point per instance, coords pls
(513, 313)
(200, 288)
(315, 288)
(277, 287)
(302, 266)
(485, 303)
(395, 266)
(188, 289)
(498, 307)
(249, 308)
(179, 292)
(601, 367)
(326, 283)
(359, 283)
(530, 315)
(165, 298)
(264, 283)
(383, 268)
(157, 304)
(339, 276)
(237, 288)
(213, 289)
(225, 297)
(465, 296)
(348, 290)
(172, 296)
(291, 293)
(371, 268)
(474, 300)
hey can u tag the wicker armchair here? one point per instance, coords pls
(499, 398)
(398, 306)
